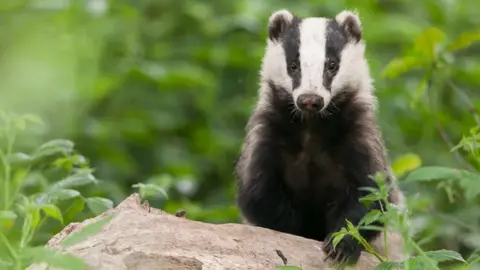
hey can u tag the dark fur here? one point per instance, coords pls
(301, 174)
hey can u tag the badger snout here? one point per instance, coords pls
(310, 102)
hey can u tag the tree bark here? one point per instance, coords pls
(141, 237)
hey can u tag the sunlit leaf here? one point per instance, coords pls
(337, 238)
(399, 66)
(70, 161)
(350, 226)
(87, 231)
(52, 211)
(426, 43)
(99, 205)
(405, 164)
(464, 41)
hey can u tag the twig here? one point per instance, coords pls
(280, 254)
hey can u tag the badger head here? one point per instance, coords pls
(315, 61)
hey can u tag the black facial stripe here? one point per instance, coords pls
(336, 39)
(291, 46)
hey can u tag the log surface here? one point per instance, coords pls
(141, 237)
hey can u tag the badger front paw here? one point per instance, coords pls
(347, 251)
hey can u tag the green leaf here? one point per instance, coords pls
(444, 255)
(350, 226)
(77, 205)
(420, 263)
(150, 190)
(7, 219)
(35, 119)
(87, 231)
(431, 173)
(464, 41)
(337, 239)
(388, 265)
(52, 211)
(371, 217)
(54, 258)
(369, 198)
(406, 163)
(69, 161)
(471, 188)
(288, 267)
(76, 180)
(57, 195)
(54, 147)
(338, 236)
(370, 189)
(99, 205)
(35, 215)
(419, 92)
(427, 42)
(20, 123)
(19, 158)
(65, 194)
(399, 66)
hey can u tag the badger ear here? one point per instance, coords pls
(350, 22)
(278, 22)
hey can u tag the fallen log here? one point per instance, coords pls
(141, 237)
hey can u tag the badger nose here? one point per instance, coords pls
(310, 102)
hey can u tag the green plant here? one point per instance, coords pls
(23, 215)
(433, 54)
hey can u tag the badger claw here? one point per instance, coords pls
(348, 250)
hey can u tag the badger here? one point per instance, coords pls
(313, 141)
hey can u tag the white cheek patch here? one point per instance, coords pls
(274, 66)
(312, 58)
(353, 72)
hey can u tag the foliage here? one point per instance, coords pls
(157, 92)
(29, 203)
(429, 53)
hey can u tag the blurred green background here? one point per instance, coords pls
(159, 91)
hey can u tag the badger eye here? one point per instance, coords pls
(293, 66)
(332, 65)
